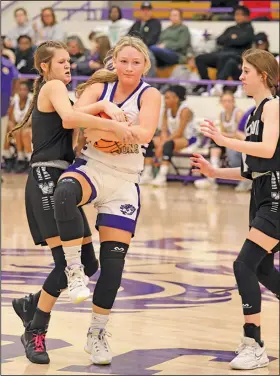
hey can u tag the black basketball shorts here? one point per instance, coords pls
(39, 204)
(265, 204)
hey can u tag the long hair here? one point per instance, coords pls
(108, 74)
(265, 64)
(43, 54)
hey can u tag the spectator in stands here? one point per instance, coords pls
(9, 75)
(176, 131)
(229, 120)
(17, 110)
(24, 27)
(7, 52)
(233, 42)
(174, 41)
(79, 55)
(147, 27)
(24, 57)
(118, 26)
(48, 28)
(232, 67)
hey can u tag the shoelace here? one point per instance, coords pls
(77, 281)
(100, 338)
(239, 348)
(39, 342)
(247, 350)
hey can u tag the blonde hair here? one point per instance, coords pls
(43, 54)
(265, 64)
(108, 74)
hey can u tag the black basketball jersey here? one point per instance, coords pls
(50, 140)
(254, 133)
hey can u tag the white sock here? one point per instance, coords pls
(215, 162)
(28, 156)
(148, 170)
(20, 156)
(73, 255)
(98, 321)
(7, 154)
(163, 170)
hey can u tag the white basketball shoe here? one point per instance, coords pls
(77, 281)
(97, 346)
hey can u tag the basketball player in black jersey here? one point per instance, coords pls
(261, 163)
(53, 121)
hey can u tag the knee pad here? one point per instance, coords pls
(68, 194)
(56, 280)
(245, 270)
(89, 260)
(112, 259)
(150, 150)
(168, 148)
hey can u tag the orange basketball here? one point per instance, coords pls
(105, 145)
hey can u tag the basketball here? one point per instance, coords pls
(106, 146)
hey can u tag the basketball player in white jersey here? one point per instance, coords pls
(110, 180)
(176, 131)
(229, 119)
(19, 106)
(261, 164)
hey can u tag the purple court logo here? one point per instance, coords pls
(141, 288)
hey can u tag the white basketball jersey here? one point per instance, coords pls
(130, 159)
(231, 125)
(18, 113)
(173, 123)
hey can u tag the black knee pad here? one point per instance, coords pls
(56, 280)
(150, 150)
(245, 269)
(89, 259)
(67, 196)
(112, 259)
(168, 148)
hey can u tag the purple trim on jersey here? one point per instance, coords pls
(103, 92)
(73, 168)
(130, 95)
(139, 202)
(116, 221)
(140, 95)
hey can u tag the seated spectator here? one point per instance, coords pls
(25, 57)
(48, 28)
(24, 27)
(118, 26)
(233, 42)
(17, 110)
(83, 61)
(232, 67)
(7, 52)
(174, 41)
(176, 131)
(229, 121)
(147, 27)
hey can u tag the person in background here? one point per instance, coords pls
(118, 26)
(229, 120)
(24, 27)
(48, 28)
(24, 57)
(147, 27)
(174, 41)
(176, 131)
(9, 75)
(17, 110)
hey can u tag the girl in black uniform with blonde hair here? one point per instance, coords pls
(53, 121)
(260, 163)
